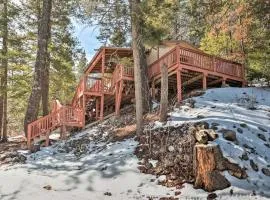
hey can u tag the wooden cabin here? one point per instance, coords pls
(108, 82)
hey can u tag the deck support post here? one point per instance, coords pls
(244, 83)
(47, 141)
(204, 81)
(63, 133)
(97, 108)
(84, 109)
(179, 85)
(118, 98)
(153, 90)
(223, 82)
(102, 107)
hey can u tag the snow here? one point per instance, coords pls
(226, 107)
(112, 167)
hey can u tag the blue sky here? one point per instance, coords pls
(87, 37)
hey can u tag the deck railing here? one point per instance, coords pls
(108, 84)
(127, 71)
(63, 116)
(70, 115)
(198, 60)
(121, 72)
(169, 59)
(94, 85)
(79, 91)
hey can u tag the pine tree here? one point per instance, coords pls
(40, 65)
(4, 68)
(82, 64)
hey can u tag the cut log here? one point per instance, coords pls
(206, 166)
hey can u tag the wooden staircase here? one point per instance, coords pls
(61, 116)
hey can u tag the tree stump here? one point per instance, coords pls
(208, 160)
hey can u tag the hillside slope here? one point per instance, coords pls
(90, 166)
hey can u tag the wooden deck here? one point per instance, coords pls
(106, 84)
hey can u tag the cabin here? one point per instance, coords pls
(108, 83)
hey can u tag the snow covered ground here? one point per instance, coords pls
(111, 168)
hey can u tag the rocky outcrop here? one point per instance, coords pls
(185, 154)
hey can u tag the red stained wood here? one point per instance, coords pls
(177, 59)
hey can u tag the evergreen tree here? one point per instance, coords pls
(41, 68)
(82, 64)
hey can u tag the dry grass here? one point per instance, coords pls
(124, 132)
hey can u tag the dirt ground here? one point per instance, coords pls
(11, 147)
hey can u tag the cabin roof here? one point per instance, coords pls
(109, 52)
(181, 43)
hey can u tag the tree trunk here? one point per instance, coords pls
(4, 70)
(142, 95)
(40, 65)
(1, 113)
(164, 93)
(45, 87)
(45, 76)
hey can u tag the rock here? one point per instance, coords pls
(212, 135)
(171, 148)
(261, 136)
(108, 194)
(148, 165)
(177, 193)
(229, 135)
(266, 171)
(219, 182)
(104, 168)
(244, 156)
(200, 116)
(47, 187)
(165, 198)
(190, 103)
(211, 196)
(201, 125)
(35, 148)
(240, 174)
(254, 166)
(201, 136)
(239, 130)
(214, 124)
(234, 169)
(267, 145)
(252, 150)
(162, 179)
(215, 128)
(262, 129)
(243, 125)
